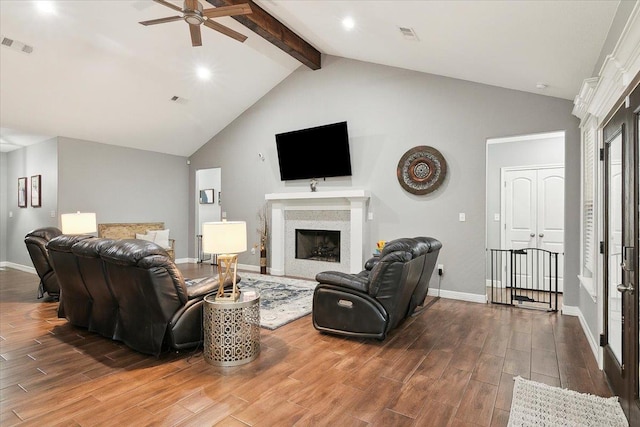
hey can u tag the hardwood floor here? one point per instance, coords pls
(452, 365)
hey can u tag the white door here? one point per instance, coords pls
(533, 216)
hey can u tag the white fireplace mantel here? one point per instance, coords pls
(355, 201)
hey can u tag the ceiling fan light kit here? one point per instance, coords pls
(194, 15)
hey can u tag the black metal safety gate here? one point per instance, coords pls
(526, 277)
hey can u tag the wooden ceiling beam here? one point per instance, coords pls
(272, 30)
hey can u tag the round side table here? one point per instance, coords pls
(232, 329)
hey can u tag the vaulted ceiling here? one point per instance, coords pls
(96, 74)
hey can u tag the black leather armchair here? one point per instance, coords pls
(371, 303)
(36, 241)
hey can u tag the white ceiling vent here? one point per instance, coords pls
(178, 100)
(408, 33)
(16, 45)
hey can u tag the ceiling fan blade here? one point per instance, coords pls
(236, 9)
(225, 30)
(196, 35)
(161, 20)
(170, 5)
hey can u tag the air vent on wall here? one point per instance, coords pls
(408, 33)
(16, 45)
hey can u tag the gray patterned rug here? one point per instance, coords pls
(282, 300)
(537, 404)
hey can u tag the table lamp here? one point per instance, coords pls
(78, 223)
(225, 239)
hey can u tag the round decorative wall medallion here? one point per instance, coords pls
(421, 170)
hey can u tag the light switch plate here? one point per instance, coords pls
(462, 217)
(496, 217)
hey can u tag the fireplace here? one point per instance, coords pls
(341, 210)
(318, 245)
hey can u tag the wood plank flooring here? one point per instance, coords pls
(452, 365)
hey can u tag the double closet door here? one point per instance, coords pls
(533, 216)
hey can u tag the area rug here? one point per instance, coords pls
(282, 299)
(537, 404)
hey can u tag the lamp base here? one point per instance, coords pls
(227, 268)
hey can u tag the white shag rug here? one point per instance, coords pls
(537, 404)
(282, 299)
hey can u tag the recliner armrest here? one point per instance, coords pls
(197, 288)
(346, 280)
(371, 262)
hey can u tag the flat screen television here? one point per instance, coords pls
(317, 152)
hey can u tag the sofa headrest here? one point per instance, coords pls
(416, 247)
(46, 233)
(64, 242)
(130, 251)
(91, 248)
(434, 244)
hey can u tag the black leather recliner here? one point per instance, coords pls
(371, 303)
(75, 301)
(104, 307)
(156, 305)
(36, 241)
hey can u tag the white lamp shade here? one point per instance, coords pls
(226, 237)
(78, 223)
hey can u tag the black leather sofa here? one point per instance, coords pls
(129, 291)
(36, 242)
(371, 303)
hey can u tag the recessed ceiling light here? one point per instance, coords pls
(203, 73)
(46, 7)
(348, 23)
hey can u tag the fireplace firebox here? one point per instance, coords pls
(318, 245)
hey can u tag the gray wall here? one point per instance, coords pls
(38, 159)
(124, 185)
(3, 207)
(389, 111)
(511, 154)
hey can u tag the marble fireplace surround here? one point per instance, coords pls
(354, 201)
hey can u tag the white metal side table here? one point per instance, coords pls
(232, 329)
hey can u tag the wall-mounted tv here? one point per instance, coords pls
(317, 152)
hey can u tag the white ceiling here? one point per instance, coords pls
(98, 75)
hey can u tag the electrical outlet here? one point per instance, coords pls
(253, 251)
(462, 217)
(440, 269)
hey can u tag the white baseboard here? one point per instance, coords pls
(249, 267)
(496, 283)
(593, 342)
(185, 261)
(20, 267)
(462, 296)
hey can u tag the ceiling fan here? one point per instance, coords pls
(195, 15)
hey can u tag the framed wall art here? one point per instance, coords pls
(36, 200)
(206, 196)
(22, 192)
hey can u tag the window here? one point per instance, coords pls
(589, 244)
